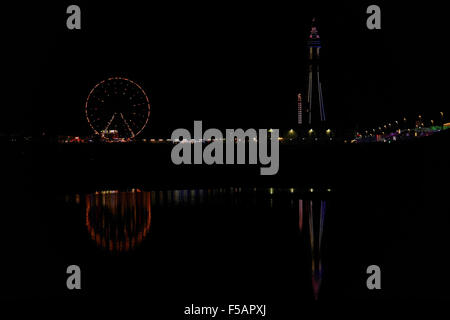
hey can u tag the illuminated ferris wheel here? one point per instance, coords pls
(117, 109)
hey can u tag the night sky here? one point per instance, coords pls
(227, 64)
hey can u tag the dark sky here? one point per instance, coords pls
(228, 64)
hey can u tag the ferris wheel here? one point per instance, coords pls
(117, 109)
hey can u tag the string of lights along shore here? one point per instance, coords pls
(314, 113)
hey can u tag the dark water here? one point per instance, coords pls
(280, 246)
(120, 221)
(170, 244)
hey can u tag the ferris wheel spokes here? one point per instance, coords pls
(123, 104)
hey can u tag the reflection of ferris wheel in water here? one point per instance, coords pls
(117, 108)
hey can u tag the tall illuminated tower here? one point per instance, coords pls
(315, 111)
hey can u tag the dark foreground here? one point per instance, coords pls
(225, 235)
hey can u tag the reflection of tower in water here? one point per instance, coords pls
(315, 211)
(118, 221)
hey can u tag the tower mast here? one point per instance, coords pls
(316, 109)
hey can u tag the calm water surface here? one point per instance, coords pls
(215, 244)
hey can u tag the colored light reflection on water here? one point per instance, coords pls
(120, 221)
